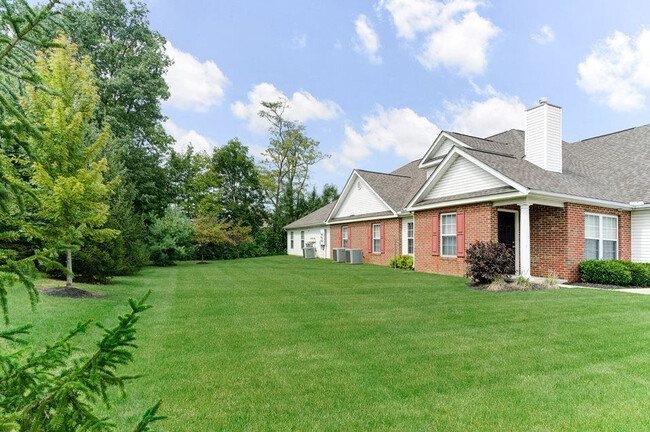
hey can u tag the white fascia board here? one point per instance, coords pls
(435, 145)
(345, 221)
(447, 161)
(473, 200)
(346, 190)
(584, 200)
(343, 195)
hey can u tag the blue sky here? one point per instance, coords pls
(375, 81)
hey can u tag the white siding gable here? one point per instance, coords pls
(444, 148)
(360, 200)
(641, 236)
(461, 177)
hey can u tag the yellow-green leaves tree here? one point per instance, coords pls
(69, 175)
(209, 231)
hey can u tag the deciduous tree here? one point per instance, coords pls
(209, 231)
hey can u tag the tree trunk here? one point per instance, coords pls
(68, 279)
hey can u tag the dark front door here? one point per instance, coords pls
(507, 229)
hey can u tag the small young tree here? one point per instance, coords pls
(209, 231)
(71, 182)
(170, 238)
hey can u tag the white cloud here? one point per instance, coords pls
(497, 113)
(303, 106)
(299, 41)
(185, 137)
(455, 35)
(367, 40)
(617, 71)
(400, 131)
(544, 36)
(193, 85)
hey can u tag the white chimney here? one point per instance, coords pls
(544, 136)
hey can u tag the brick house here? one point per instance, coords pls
(555, 203)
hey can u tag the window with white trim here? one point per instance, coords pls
(344, 236)
(448, 234)
(291, 237)
(601, 237)
(302, 239)
(409, 238)
(376, 238)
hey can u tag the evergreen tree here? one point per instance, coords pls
(71, 182)
(56, 388)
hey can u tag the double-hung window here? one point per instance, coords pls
(344, 236)
(291, 237)
(376, 238)
(601, 237)
(448, 234)
(409, 238)
(302, 239)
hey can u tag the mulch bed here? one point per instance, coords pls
(203, 262)
(601, 286)
(71, 292)
(507, 287)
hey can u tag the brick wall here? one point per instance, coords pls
(480, 224)
(576, 235)
(358, 238)
(548, 242)
(557, 237)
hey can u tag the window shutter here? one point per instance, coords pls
(460, 234)
(383, 237)
(341, 236)
(370, 238)
(435, 238)
(349, 237)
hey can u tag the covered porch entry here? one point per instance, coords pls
(536, 230)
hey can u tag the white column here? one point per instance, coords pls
(524, 240)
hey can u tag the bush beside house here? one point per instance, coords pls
(488, 260)
(623, 273)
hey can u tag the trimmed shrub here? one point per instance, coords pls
(487, 261)
(403, 262)
(605, 272)
(640, 273)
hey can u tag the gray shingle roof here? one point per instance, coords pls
(610, 167)
(316, 218)
(398, 187)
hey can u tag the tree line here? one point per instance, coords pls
(110, 184)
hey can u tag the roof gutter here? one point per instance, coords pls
(584, 200)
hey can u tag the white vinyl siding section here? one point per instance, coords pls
(360, 200)
(405, 236)
(444, 148)
(544, 137)
(601, 237)
(641, 236)
(461, 177)
(315, 236)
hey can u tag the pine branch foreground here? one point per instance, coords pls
(56, 390)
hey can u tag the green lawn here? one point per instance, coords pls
(282, 343)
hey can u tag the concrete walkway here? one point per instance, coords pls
(643, 291)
